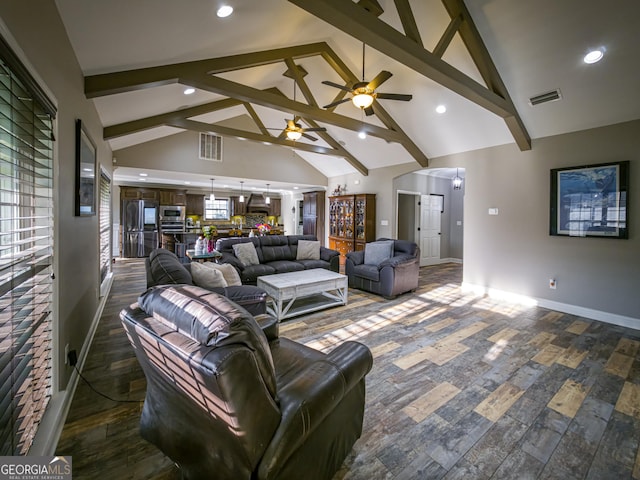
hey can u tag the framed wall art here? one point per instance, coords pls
(85, 173)
(590, 201)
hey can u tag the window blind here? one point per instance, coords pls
(26, 246)
(105, 226)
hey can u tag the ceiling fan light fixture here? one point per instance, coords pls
(362, 100)
(294, 135)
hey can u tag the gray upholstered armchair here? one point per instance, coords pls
(386, 267)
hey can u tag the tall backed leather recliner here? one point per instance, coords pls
(399, 273)
(227, 398)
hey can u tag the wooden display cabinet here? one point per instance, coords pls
(352, 222)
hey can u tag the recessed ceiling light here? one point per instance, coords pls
(189, 91)
(143, 179)
(441, 109)
(143, 174)
(224, 11)
(187, 183)
(362, 134)
(296, 188)
(594, 56)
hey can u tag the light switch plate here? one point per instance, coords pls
(384, 223)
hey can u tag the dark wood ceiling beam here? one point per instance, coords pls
(258, 121)
(278, 102)
(353, 20)
(482, 59)
(299, 79)
(131, 80)
(408, 144)
(408, 21)
(134, 126)
(257, 137)
(353, 161)
(447, 36)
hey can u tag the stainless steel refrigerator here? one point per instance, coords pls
(140, 228)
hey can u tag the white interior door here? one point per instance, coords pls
(430, 213)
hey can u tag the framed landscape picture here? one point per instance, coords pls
(590, 201)
(85, 173)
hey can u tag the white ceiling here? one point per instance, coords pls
(537, 46)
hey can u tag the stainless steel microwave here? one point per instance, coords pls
(172, 213)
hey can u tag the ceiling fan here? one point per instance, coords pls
(364, 93)
(293, 131)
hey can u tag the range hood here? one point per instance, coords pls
(257, 204)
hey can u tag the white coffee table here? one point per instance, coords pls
(295, 293)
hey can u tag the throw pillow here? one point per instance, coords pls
(246, 253)
(377, 252)
(229, 273)
(207, 277)
(308, 250)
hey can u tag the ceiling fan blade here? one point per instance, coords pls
(317, 129)
(394, 96)
(341, 87)
(333, 104)
(382, 77)
(369, 111)
(310, 137)
(282, 135)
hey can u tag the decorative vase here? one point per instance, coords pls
(210, 245)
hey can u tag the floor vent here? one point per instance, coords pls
(210, 147)
(551, 96)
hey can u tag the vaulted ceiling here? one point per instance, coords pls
(482, 61)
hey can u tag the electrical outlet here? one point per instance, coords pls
(66, 354)
(73, 358)
(552, 283)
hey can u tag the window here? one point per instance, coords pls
(26, 253)
(105, 226)
(216, 210)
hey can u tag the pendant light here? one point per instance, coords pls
(212, 197)
(241, 199)
(268, 199)
(457, 181)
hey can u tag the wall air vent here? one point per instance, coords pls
(210, 147)
(551, 96)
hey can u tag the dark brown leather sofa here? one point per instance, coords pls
(227, 399)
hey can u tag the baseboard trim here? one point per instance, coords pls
(606, 317)
(50, 429)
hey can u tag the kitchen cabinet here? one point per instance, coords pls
(238, 208)
(313, 214)
(137, 193)
(351, 222)
(173, 197)
(195, 204)
(275, 206)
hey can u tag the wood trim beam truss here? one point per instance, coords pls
(407, 49)
(202, 74)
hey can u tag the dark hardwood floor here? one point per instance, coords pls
(462, 387)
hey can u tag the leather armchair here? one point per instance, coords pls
(395, 275)
(227, 398)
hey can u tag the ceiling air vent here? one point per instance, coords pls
(551, 96)
(210, 147)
